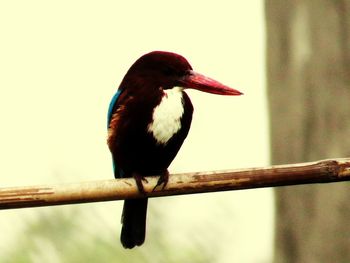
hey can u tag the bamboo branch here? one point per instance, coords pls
(326, 171)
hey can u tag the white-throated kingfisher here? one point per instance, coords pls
(148, 119)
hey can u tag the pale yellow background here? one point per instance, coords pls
(62, 61)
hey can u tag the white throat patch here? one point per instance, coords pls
(166, 116)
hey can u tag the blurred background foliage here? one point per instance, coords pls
(56, 236)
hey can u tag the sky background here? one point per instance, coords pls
(60, 64)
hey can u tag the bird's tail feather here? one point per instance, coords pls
(134, 222)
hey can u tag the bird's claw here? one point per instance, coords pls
(163, 180)
(139, 178)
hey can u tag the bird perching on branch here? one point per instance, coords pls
(148, 119)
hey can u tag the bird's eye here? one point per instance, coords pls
(167, 71)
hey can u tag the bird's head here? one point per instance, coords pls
(167, 70)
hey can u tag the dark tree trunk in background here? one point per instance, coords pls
(308, 54)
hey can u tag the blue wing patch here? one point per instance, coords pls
(117, 171)
(111, 106)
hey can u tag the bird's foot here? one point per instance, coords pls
(144, 179)
(139, 178)
(163, 180)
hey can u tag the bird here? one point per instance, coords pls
(148, 120)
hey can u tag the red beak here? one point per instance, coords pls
(200, 82)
